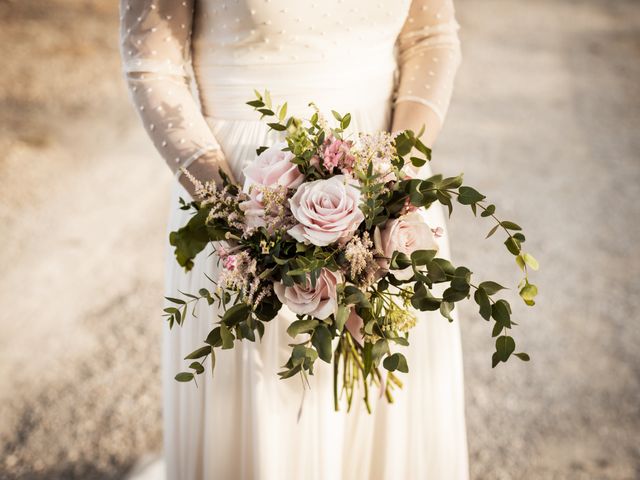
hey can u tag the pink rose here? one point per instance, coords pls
(328, 211)
(273, 167)
(406, 235)
(336, 155)
(319, 302)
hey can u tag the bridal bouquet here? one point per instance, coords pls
(332, 226)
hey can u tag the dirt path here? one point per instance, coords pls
(545, 121)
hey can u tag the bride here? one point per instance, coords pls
(191, 65)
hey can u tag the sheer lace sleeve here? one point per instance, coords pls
(429, 55)
(155, 48)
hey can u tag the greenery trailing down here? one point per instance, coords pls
(383, 295)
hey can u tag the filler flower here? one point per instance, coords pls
(337, 154)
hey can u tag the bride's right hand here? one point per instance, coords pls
(207, 168)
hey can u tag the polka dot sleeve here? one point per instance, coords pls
(155, 45)
(429, 55)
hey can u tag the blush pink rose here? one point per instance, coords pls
(328, 211)
(271, 168)
(406, 235)
(319, 302)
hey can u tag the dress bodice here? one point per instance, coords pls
(342, 47)
(259, 32)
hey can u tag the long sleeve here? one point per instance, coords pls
(429, 55)
(155, 48)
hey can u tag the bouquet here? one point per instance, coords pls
(328, 223)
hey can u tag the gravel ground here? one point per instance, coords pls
(545, 121)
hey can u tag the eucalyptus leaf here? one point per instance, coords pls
(445, 310)
(184, 377)
(530, 261)
(492, 231)
(510, 225)
(379, 348)
(529, 292)
(422, 257)
(197, 366)
(469, 195)
(236, 314)
(417, 161)
(482, 299)
(396, 361)
(488, 211)
(302, 326)
(199, 353)
(176, 300)
(454, 295)
(341, 317)
(226, 336)
(512, 245)
(277, 127)
(491, 287)
(321, 340)
(505, 346)
(500, 312)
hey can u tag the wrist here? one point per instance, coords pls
(205, 168)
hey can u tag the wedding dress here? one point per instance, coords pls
(191, 66)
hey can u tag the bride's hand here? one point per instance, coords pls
(411, 116)
(207, 168)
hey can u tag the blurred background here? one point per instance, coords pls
(545, 120)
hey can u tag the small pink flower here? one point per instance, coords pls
(336, 154)
(222, 252)
(230, 262)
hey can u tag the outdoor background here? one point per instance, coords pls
(545, 120)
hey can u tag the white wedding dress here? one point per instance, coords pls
(358, 56)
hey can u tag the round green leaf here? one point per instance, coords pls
(396, 361)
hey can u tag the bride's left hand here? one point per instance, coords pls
(411, 116)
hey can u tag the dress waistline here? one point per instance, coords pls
(342, 86)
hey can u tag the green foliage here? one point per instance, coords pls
(191, 239)
(357, 363)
